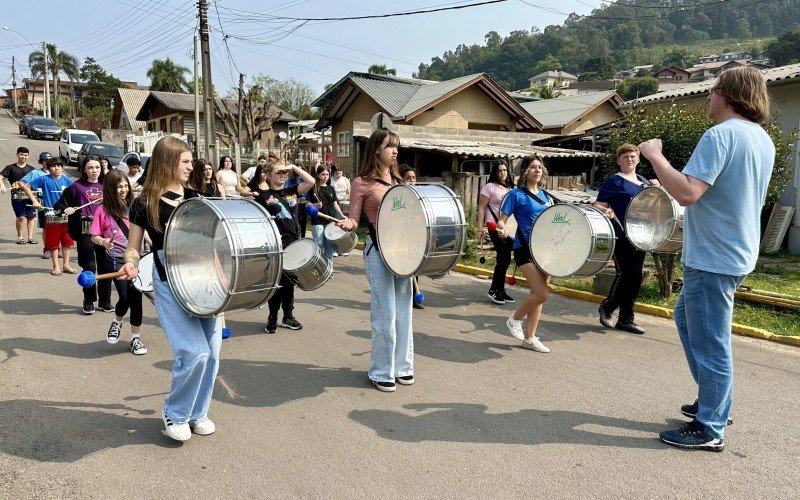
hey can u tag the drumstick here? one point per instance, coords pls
(90, 203)
(88, 278)
(226, 332)
(419, 297)
(328, 217)
(314, 212)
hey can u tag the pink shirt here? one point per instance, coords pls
(495, 192)
(366, 196)
(105, 226)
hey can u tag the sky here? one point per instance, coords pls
(263, 36)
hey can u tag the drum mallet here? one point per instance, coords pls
(419, 297)
(512, 280)
(226, 332)
(88, 278)
(313, 211)
(491, 226)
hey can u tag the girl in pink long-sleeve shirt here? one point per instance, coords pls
(392, 355)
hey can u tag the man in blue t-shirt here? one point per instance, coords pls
(723, 186)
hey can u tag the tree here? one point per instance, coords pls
(167, 76)
(57, 62)
(600, 68)
(257, 116)
(289, 95)
(548, 91)
(101, 87)
(549, 63)
(785, 50)
(637, 86)
(381, 69)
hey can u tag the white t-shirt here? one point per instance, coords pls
(341, 185)
(249, 173)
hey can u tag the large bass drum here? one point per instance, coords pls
(222, 255)
(572, 240)
(654, 221)
(421, 229)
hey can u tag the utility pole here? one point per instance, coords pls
(196, 101)
(208, 96)
(241, 100)
(14, 84)
(46, 82)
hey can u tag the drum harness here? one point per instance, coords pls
(373, 233)
(540, 202)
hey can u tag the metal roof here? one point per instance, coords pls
(132, 100)
(561, 111)
(490, 149)
(772, 76)
(427, 94)
(185, 102)
(388, 94)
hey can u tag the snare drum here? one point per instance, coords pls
(421, 229)
(343, 240)
(86, 224)
(52, 218)
(221, 255)
(654, 221)
(306, 266)
(572, 240)
(18, 194)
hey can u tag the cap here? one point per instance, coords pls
(45, 156)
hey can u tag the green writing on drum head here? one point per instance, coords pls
(397, 203)
(560, 219)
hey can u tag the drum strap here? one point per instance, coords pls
(373, 233)
(162, 273)
(122, 226)
(538, 200)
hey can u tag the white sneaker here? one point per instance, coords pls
(534, 344)
(203, 427)
(344, 254)
(515, 328)
(178, 432)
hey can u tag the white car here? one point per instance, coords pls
(71, 141)
(143, 158)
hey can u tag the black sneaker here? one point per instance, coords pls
(692, 436)
(405, 380)
(629, 326)
(496, 297)
(691, 412)
(508, 298)
(291, 323)
(272, 324)
(137, 347)
(108, 308)
(384, 386)
(113, 332)
(605, 318)
(418, 305)
(88, 308)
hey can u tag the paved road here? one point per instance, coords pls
(296, 418)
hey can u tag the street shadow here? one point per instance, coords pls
(62, 348)
(35, 307)
(470, 423)
(23, 271)
(448, 349)
(269, 383)
(63, 431)
(328, 304)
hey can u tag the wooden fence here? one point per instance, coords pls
(468, 186)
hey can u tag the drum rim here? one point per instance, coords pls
(586, 259)
(427, 224)
(674, 224)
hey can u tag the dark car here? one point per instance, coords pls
(23, 123)
(96, 148)
(43, 128)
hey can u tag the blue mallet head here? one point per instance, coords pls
(226, 332)
(419, 297)
(312, 210)
(86, 279)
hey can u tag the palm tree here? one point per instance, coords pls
(167, 76)
(57, 62)
(549, 91)
(381, 69)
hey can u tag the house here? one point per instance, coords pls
(127, 104)
(35, 90)
(672, 74)
(710, 70)
(472, 106)
(634, 71)
(574, 114)
(173, 113)
(783, 84)
(549, 78)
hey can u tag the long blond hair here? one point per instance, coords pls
(160, 175)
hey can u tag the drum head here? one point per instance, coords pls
(511, 227)
(144, 281)
(299, 253)
(402, 230)
(561, 240)
(651, 219)
(334, 232)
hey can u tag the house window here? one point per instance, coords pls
(343, 144)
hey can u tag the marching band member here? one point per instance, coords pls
(195, 341)
(489, 200)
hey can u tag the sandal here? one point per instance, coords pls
(32, 242)
(56, 272)
(69, 270)
(20, 241)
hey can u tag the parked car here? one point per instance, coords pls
(71, 141)
(24, 122)
(44, 128)
(143, 157)
(96, 148)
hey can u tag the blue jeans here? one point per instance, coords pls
(390, 317)
(318, 232)
(195, 344)
(703, 316)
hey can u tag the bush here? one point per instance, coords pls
(471, 247)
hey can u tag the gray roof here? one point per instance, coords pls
(427, 94)
(185, 102)
(561, 111)
(772, 75)
(554, 74)
(390, 95)
(132, 100)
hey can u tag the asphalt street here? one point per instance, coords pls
(295, 416)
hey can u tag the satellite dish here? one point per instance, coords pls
(377, 121)
(282, 134)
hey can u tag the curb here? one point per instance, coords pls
(662, 312)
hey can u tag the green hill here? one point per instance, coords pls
(621, 35)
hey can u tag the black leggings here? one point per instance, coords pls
(629, 262)
(92, 258)
(129, 296)
(503, 247)
(283, 298)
